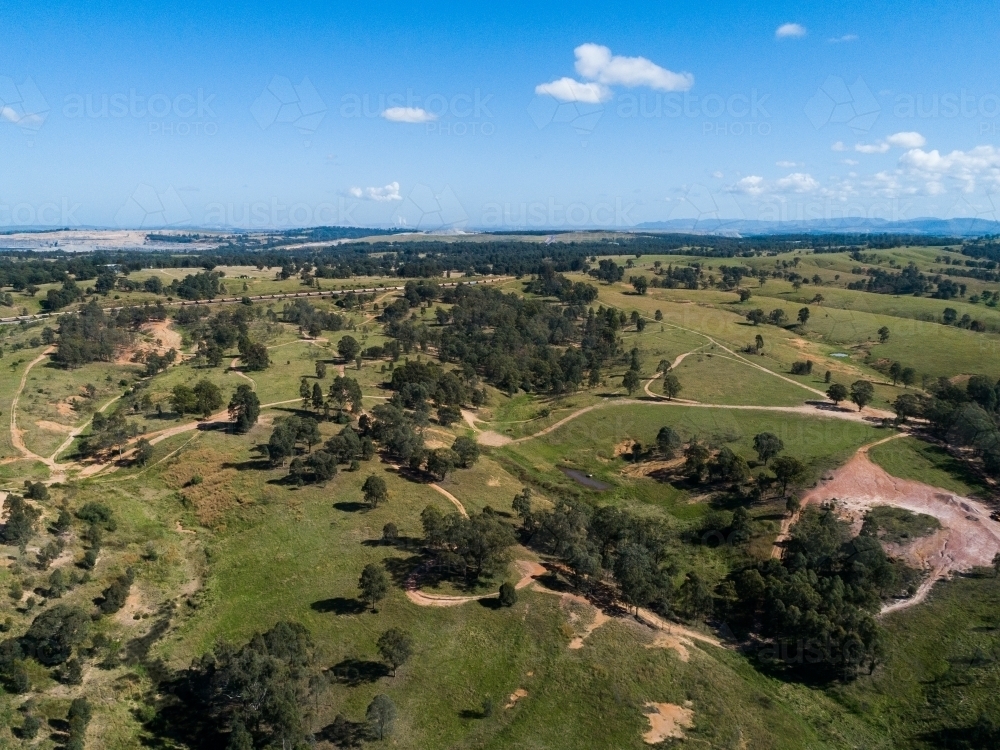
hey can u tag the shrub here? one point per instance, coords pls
(508, 594)
(98, 514)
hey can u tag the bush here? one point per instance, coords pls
(114, 596)
(17, 678)
(30, 727)
(98, 514)
(508, 594)
(54, 633)
(35, 490)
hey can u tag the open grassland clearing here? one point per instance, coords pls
(226, 543)
(911, 458)
(278, 563)
(589, 442)
(56, 400)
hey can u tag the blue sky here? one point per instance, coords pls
(502, 116)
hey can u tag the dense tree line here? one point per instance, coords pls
(255, 695)
(514, 342)
(964, 417)
(429, 259)
(552, 284)
(814, 609)
(93, 335)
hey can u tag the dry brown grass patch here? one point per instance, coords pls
(215, 494)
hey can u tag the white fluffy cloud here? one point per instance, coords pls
(838, 146)
(797, 182)
(382, 194)
(906, 139)
(595, 62)
(871, 148)
(601, 70)
(571, 90)
(790, 31)
(980, 164)
(750, 185)
(408, 114)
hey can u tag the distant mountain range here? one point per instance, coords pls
(968, 227)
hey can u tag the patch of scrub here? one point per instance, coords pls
(667, 721)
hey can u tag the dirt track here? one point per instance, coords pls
(528, 569)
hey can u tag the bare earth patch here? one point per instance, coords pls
(515, 697)
(492, 439)
(677, 643)
(653, 468)
(969, 538)
(53, 426)
(599, 619)
(667, 721)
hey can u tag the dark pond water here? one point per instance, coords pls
(581, 478)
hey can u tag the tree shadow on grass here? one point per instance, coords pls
(259, 464)
(344, 733)
(339, 605)
(400, 568)
(983, 733)
(402, 543)
(353, 672)
(137, 650)
(351, 507)
(492, 602)
(471, 713)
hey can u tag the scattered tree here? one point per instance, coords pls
(508, 594)
(396, 647)
(631, 381)
(788, 470)
(375, 490)
(671, 385)
(767, 445)
(862, 393)
(837, 392)
(374, 584)
(381, 716)
(244, 408)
